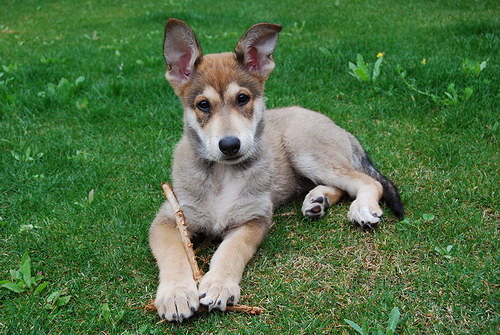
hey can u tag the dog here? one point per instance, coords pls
(236, 162)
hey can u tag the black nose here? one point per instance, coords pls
(229, 145)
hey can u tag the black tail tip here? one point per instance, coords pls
(398, 210)
(392, 199)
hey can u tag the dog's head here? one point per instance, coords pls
(222, 94)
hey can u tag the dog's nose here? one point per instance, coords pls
(229, 145)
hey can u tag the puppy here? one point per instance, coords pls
(237, 161)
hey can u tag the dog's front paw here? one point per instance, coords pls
(315, 207)
(366, 216)
(177, 302)
(218, 291)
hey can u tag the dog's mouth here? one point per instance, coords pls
(232, 159)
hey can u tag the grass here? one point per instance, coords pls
(112, 131)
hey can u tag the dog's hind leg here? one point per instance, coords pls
(365, 210)
(319, 199)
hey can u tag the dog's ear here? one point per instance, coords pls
(255, 49)
(182, 52)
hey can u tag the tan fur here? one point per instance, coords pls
(218, 71)
(284, 152)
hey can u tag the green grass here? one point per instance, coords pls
(114, 133)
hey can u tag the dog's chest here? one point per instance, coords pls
(227, 192)
(224, 200)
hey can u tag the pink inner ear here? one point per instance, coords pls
(184, 64)
(253, 59)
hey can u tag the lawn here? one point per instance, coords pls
(88, 124)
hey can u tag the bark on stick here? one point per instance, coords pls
(180, 220)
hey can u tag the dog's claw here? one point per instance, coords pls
(176, 303)
(365, 215)
(219, 291)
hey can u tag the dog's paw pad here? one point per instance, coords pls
(315, 208)
(319, 200)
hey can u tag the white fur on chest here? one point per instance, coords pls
(226, 197)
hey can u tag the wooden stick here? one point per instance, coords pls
(9, 32)
(236, 308)
(286, 214)
(180, 220)
(254, 310)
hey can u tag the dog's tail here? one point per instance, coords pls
(391, 194)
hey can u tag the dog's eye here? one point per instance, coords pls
(242, 99)
(204, 106)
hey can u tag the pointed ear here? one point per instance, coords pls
(255, 49)
(182, 52)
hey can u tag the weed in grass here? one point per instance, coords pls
(451, 97)
(445, 252)
(48, 60)
(471, 67)
(428, 217)
(88, 200)
(111, 318)
(79, 155)
(28, 227)
(367, 72)
(22, 279)
(56, 299)
(29, 155)
(10, 68)
(392, 324)
(363, 71)
(63, 88)
(82, 104)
